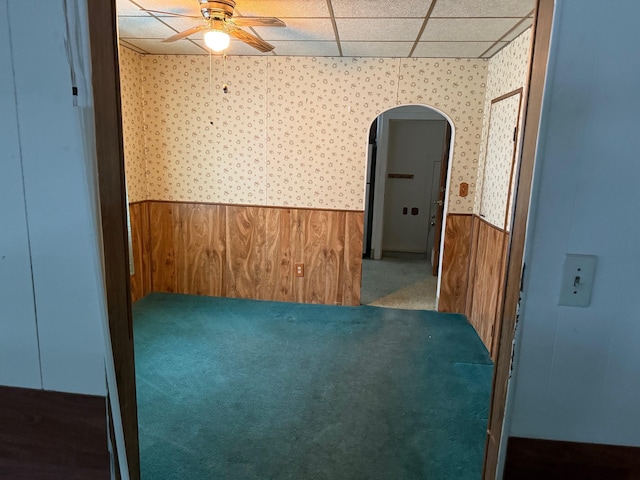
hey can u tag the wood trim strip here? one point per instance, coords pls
(543, 20)
(178, 202)
(112, 192)
(487, 222)
(513, 162)
(507, 95)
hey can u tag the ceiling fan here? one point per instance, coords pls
(220, 24)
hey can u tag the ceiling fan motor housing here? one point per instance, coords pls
(217, 10)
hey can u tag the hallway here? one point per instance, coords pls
(403, 283)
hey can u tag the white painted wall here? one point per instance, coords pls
(577, 372)
(48, 142)
(19, 357)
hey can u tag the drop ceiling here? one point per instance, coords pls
(331, 28)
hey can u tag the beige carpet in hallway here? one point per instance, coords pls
(398, 283)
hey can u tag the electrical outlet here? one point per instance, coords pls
(299, 269)
(577, 280)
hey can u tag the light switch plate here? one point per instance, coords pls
(577, 280)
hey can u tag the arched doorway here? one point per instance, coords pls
(407, 164)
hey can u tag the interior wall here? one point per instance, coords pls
(576, 369)
(292, 131)
(19, 355)
(52, 299)
(507, 71)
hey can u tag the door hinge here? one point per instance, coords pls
(515, 133)
(524, 268)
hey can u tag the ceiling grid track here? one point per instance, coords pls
(501, 39)
(424, 25)
(335, 26)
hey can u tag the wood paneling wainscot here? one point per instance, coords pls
(486, 280)
(250, 252)
(455, 264)
(141, 277)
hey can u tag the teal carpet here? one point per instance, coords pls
(240, 389)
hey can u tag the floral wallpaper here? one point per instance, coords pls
(204, 145)
(292, 131)
(457, 88)
(499, 160)
(507, 72)
(319, 114)
(133, 123)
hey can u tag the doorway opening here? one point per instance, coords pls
(407, 164)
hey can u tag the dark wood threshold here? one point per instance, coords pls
(52, 435)
(533, 458)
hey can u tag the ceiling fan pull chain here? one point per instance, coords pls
(225, 87)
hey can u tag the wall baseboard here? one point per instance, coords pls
(52, 435)
(533, 458)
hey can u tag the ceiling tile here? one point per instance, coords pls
(306, 49)
(183, 7)
(450, 49)
(143, 27)
(156, 47)
(467, 29)
(376, 49)
(299, 29)
(125, 7)
(236, 48)
(519, 29)
(495, 49)
(181, 23)
(482, 8)
(283, 8)
(386, 8)
(378, 29)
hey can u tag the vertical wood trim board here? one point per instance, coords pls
(354, 233)
(105, 78)
(543, 20)
(52, 435)
(455, 264)
(250, 252)
(472, 262)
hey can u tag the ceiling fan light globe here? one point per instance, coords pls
(216, 40)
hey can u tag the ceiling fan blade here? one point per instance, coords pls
(258, 22)
(186, 33)
(252, 40)
(170, 14)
